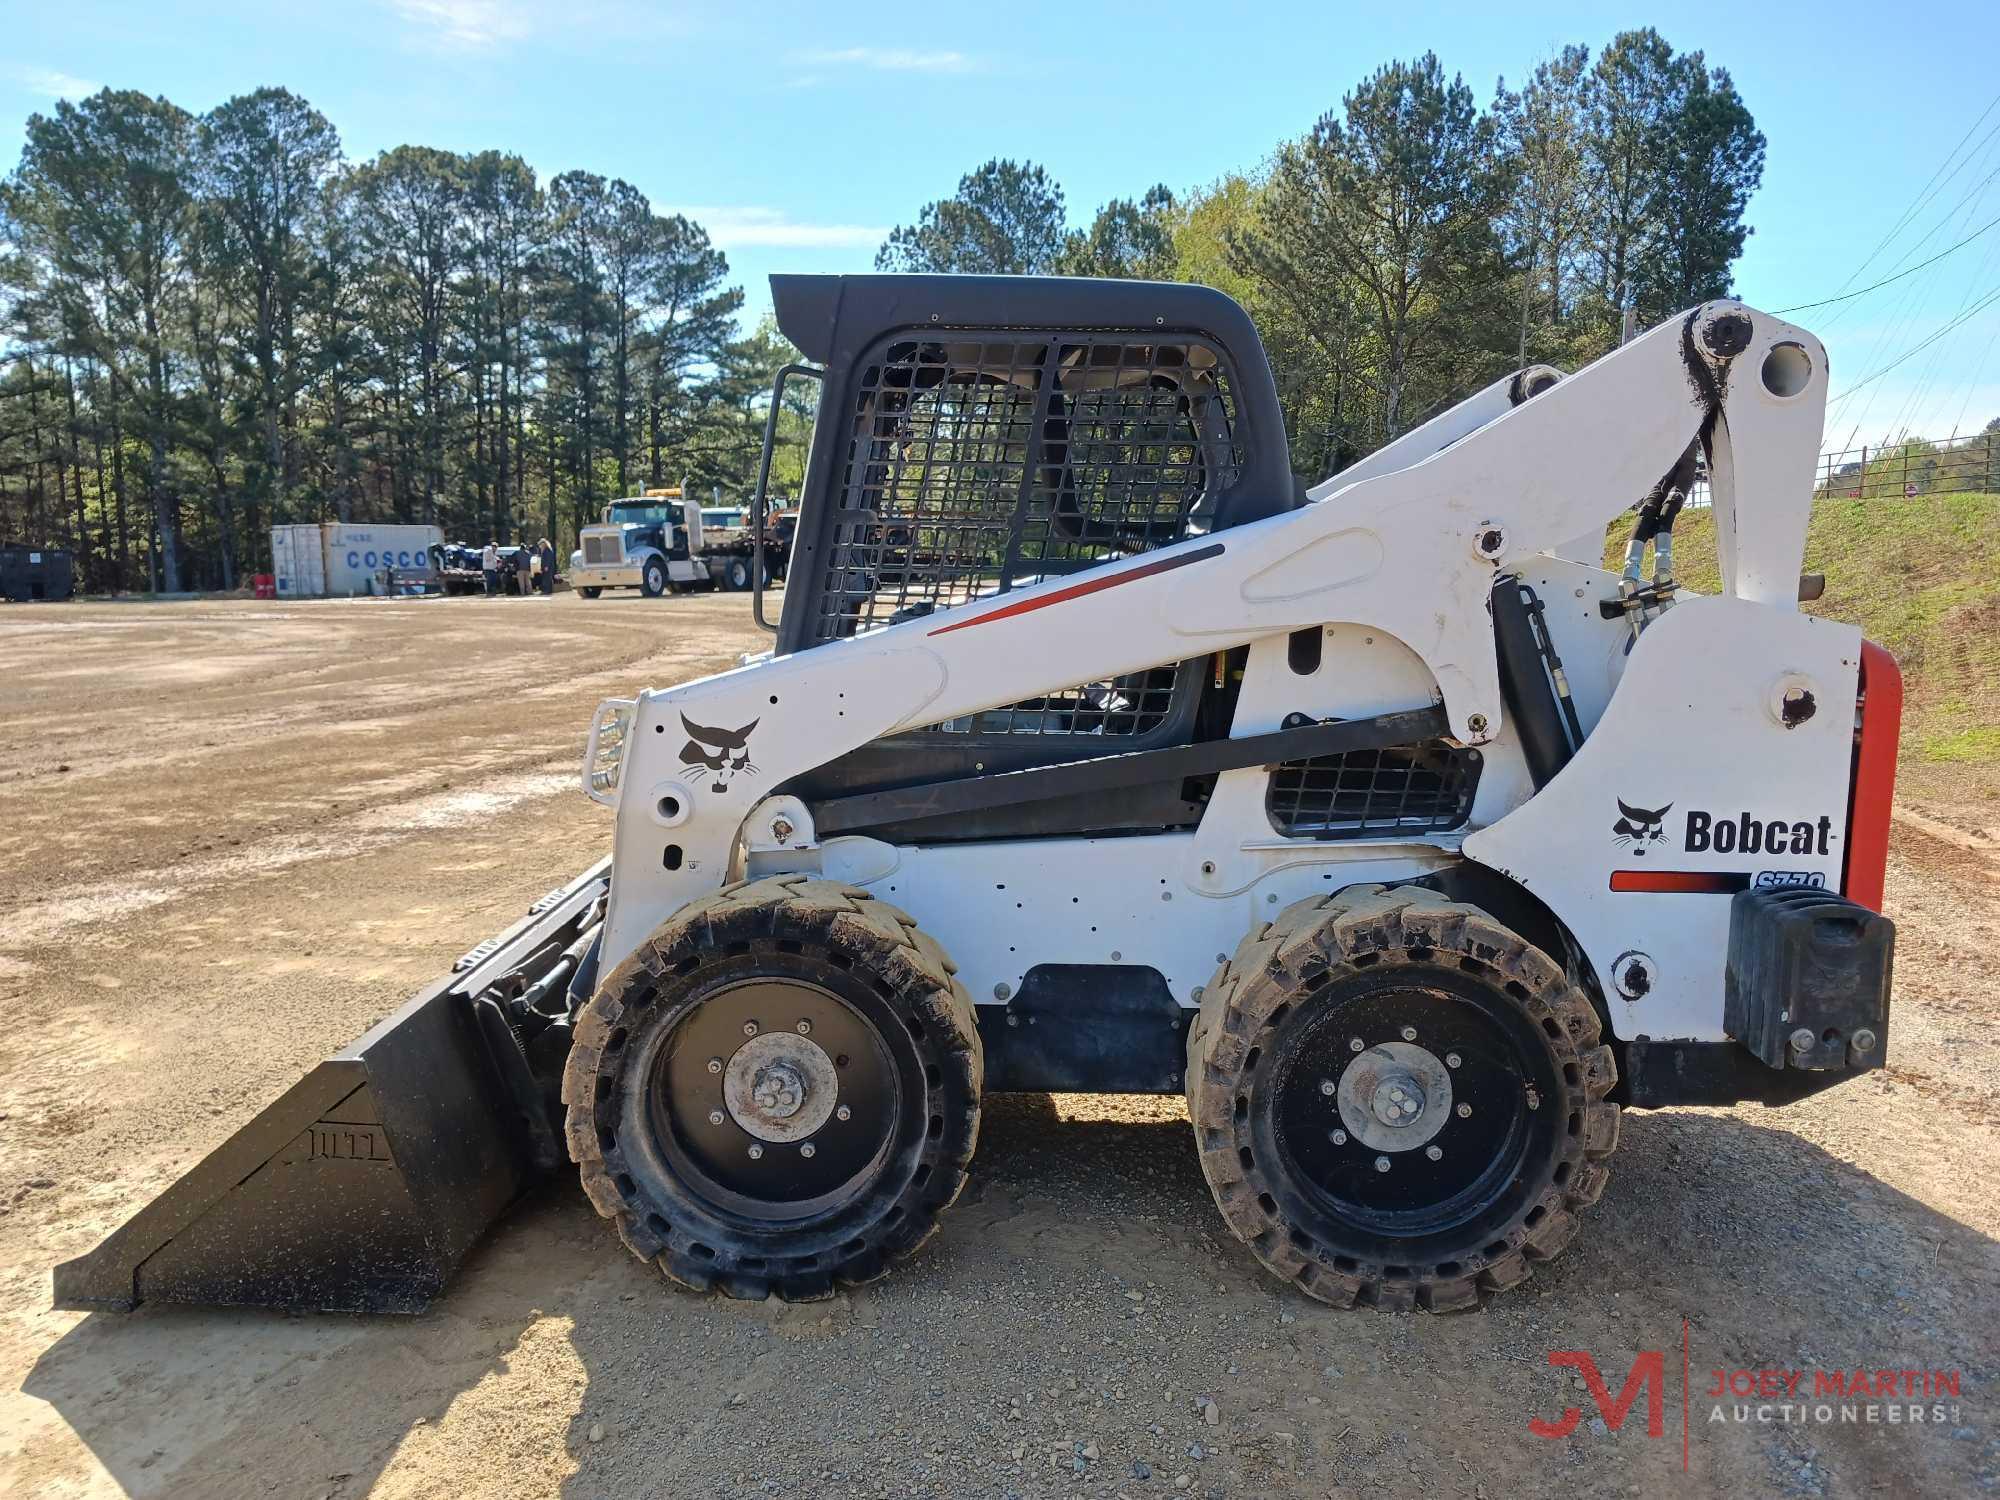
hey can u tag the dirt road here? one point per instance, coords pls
(232, 835)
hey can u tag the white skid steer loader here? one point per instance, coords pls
(1094, 754)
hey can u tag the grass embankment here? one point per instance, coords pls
(1922, 577)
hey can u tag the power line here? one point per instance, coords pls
(1978, 307)
(1877, 286)
(1972, 381)
(1925, 193)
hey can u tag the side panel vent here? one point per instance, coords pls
(1365, 794)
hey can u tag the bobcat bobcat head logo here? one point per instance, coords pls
(723, 751)
(1638, 827)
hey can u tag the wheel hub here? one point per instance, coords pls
(773, 1095)
(780, 1086)
(1394, 1096)
(1399, 1099)
(778, 1091)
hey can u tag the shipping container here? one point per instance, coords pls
(358, 556)
(298, 557)
(314, 562)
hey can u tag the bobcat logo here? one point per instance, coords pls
(1638, 827)
(722, 751)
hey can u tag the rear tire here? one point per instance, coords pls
(736, 575)
(708, 1074)
(590, 593)
(1472, 1045)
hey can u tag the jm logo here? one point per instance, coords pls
(1649, 1374)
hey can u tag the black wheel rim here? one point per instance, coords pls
(1494, 1149)
(725, 1162)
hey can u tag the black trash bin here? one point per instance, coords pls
(35, 573)
(54, 577)
(14, 582)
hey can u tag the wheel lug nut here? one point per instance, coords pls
(1339, 1138)
(756, 1153)
(1409, 1033)
(1451, 1059)
(805, 1028)
(749, 1028)
(715, 1117)
(1355, 1044)
(1326, 1087)
(1465, 1111)
(1381, 1163)
(807, 1150)
(1433, 1153)
(715, 1065)
(843, 1113)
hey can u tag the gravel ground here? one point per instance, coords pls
(232, 835)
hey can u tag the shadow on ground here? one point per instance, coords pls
(1084, 1291)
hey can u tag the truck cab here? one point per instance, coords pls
(645, 541)
(661, 540)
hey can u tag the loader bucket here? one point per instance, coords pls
(366, 1183)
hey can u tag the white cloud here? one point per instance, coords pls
(888, 60)
(738, 226)
(51, 83)
(464, 25)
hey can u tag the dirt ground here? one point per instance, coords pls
(233, 835)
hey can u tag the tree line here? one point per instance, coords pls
(217, 322)
(1415, 244)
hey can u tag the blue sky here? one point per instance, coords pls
(799, 133)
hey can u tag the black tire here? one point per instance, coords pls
(1515, 1107)
(705, 1199)
(589, 592)
(653, 578)
(736, 575)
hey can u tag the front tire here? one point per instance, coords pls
(1398, 1101)
(778, 1093)
(653, 578)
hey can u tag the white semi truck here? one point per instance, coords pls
(659, 540)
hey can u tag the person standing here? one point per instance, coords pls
(489, 564)
(547, 554)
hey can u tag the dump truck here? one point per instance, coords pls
(1377, 819)
(660, 541)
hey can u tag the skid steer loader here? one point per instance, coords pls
(1094, 753)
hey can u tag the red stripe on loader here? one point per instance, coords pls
(1681, 882)
(1088, 586)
